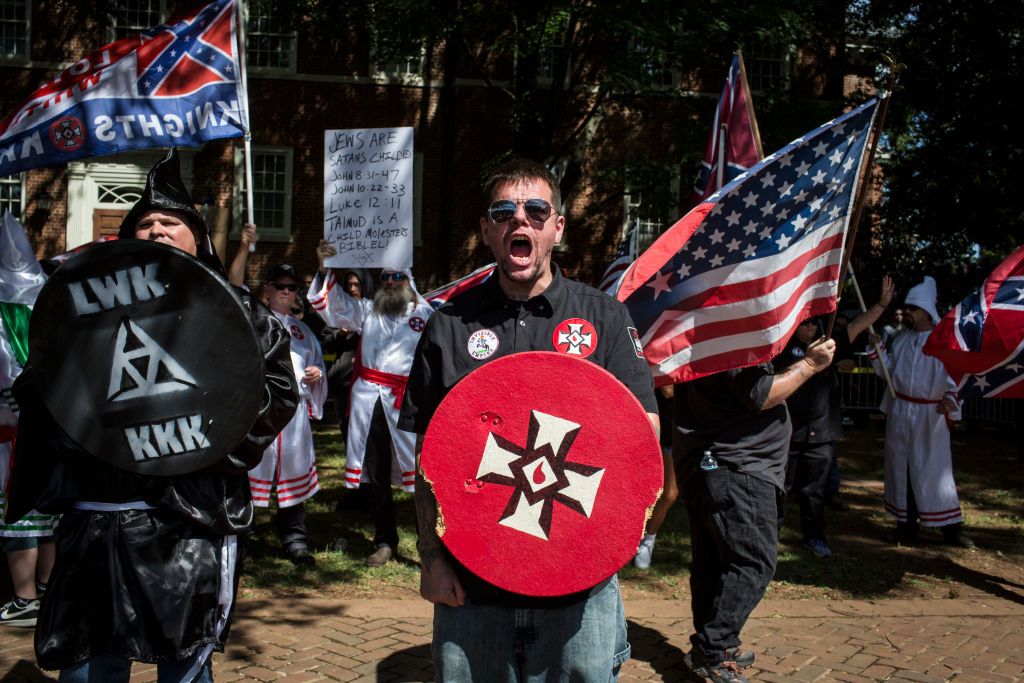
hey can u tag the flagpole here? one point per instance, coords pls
(871, 329)
(247, 137)
(749, 101)
(720, 164)
(862, 191)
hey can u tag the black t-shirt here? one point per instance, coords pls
(483, 325)
(722, 413)
(815, 407)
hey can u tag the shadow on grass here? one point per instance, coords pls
(865, 563)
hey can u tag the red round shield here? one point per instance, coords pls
(545, 468)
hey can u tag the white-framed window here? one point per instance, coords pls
(396, 53)
(132, 17)
(767, 67)
(15, 29)
(270, 46)
(552, 44)
(656, 66)
(649, 204)
(272, 191)
(12, 195)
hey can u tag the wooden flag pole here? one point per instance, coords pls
(862, 191)
(871, 329)
(749, 100)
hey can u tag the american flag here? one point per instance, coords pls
(179, 59)
(726, 286)
(441, 295)
(733, 144)
(981, 341)
(624, 255)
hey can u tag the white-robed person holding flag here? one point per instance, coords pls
(918, 460)
(377, 453)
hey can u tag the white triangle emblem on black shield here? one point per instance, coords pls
(142, 368)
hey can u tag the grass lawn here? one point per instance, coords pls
(864, 564)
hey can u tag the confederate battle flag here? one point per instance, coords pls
(174, 85)
(981, 341)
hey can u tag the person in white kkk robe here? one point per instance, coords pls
(288, 468)
(377, 453)
(919, 481)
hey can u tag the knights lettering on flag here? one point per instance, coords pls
(178, 84)
(734, 144)
(981, 341)
(726, 286)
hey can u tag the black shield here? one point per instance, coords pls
(146, 357)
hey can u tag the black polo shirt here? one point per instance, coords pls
(482, 325)
(815, 407)
(722, 413)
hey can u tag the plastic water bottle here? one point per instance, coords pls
(708, 462)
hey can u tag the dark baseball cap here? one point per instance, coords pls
(285, 269)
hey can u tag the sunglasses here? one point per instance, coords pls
(503, 210)
(397, 277)
(284, 288)
(910, 308)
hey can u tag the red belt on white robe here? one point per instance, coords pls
(396, 383)
(926, 401)
(8, 434)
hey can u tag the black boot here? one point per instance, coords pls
(906, 533)
(953, 534)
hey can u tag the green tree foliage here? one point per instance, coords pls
(563, 65)
(954, 146)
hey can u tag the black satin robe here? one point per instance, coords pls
(141, 584)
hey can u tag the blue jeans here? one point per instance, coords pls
(111, 669)
(582, 642)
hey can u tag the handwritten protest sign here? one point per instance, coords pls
(368, 186)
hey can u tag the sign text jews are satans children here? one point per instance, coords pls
(368, 197)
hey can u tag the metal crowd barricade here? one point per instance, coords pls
(862, 390)
(859, 387)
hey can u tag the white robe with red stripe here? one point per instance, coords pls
(289, 464)
(917, 444)
(387, 344)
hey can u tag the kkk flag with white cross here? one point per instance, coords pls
(981, 341)
(726, 286)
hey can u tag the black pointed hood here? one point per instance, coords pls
(166, 190)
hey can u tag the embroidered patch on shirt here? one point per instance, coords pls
(482, 344)
(296, 332)
(417, 323)
(575, 337)
(634, 337)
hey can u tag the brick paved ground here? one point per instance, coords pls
(388, 640)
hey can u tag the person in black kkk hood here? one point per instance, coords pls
(146, 565)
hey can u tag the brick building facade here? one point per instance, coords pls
(303, 80)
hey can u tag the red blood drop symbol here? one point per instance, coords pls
(538, 475)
